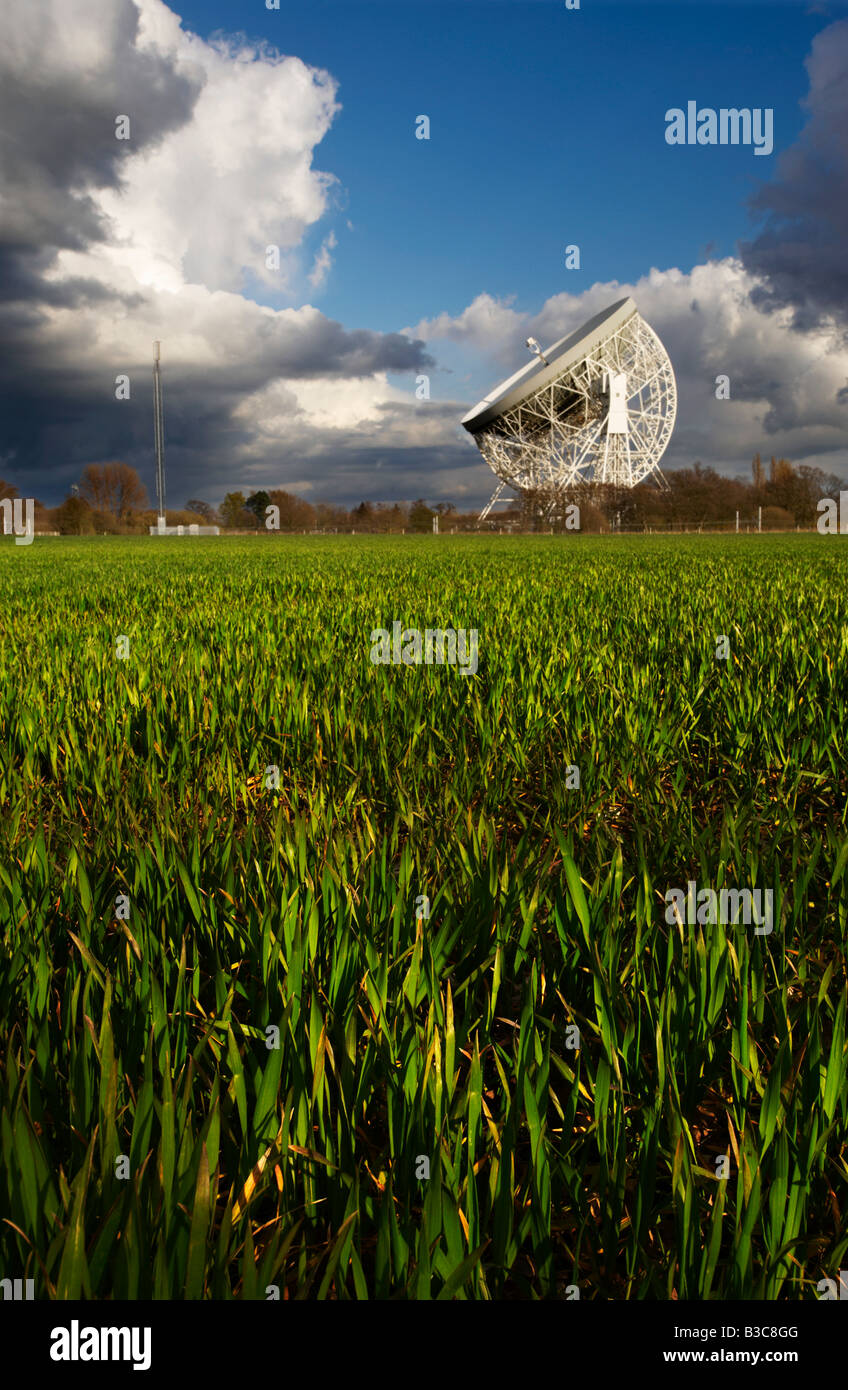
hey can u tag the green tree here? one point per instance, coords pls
(256, 503)
(363, 517)
(420, 516)
(233, 511)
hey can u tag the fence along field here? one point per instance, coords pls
(575, 1066)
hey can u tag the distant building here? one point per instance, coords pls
(160, 529)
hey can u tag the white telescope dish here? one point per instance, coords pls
(597, 406)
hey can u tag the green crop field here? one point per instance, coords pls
(500, 1071)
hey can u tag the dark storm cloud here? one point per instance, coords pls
(22, 277)
(413, 448)
(404, 474)
(320, 463)
(59, 98)
(321, 347)
(801, 250)
(60, 410)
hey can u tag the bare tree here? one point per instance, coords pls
(112, 487)
(97, 488)
(130, 492)
(295, 513)
(202, 509)
(329, 517)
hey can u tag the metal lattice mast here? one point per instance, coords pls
(158, 437)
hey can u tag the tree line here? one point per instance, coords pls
(110, 498)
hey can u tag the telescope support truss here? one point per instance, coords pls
(606, 420)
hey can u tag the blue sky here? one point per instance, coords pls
(252, 127)
(547, 128)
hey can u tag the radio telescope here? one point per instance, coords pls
(598, 407)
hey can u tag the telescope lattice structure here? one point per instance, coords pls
(597, 407)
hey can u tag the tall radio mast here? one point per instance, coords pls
(162, 528)
(158, 438)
